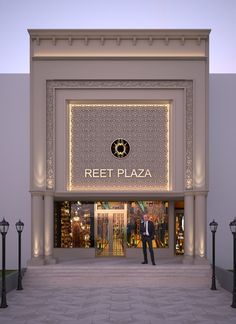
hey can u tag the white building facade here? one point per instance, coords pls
(119, 128)
(14, 171)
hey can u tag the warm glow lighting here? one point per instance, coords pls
(199, 178)
(146, 54)
(47, 241)
(168, 145)
(49, 183)
(36, 249)
(201, 249)
(70, 148)
(72, 187)
(189, 184)
(39, 174)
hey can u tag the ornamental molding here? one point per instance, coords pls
(117, 40)
(136, 43)
(134, 36)
(53, 85)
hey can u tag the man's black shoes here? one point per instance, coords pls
(144, 262)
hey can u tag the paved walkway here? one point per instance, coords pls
(53, 298)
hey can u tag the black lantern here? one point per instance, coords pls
(19, 228)
(213, 226)
(4, 226)
(232, 226)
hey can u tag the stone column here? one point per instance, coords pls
(37, 229)
(200, 226)
(48, 229)
(188, 227)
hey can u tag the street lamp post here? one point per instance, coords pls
(4, 225)
(213, 226)
(232, 226)
(19, 228)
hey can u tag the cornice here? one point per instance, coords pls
(175, 33)
(134, 36)
(134, 39)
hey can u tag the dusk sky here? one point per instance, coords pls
(16, 16)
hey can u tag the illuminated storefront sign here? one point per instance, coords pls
(119, 173)
(118, 146)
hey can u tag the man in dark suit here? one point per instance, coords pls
(147, 230)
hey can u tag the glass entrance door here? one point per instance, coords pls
(110, 229)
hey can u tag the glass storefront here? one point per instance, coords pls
(73, 224)
(158, 213)
(111, 227)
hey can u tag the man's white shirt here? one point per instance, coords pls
(146, 226)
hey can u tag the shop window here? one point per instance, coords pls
(74, 224)
(158, 213)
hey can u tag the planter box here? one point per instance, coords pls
(11, 280)
(225, 278)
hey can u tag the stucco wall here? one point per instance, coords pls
(14, 170)
(222, 159)
(14, 165)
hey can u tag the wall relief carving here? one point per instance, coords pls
(53, 85)
(92, 129)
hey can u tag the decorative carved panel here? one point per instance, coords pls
(53, 85)
(93, 128)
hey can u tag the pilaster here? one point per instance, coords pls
(189, 227)
(37, 229)
(48, 228)
(200, 227)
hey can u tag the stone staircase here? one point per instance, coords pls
(118, 273)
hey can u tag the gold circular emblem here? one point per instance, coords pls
(120, 148)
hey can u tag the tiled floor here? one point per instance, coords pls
(54, 299)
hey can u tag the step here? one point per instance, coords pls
(118, 275)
